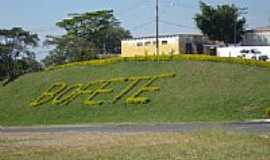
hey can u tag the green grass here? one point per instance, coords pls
(214, 145)
(201, 91)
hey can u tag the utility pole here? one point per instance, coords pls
(157, 28)
(234, 32)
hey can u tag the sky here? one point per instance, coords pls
(176, 16)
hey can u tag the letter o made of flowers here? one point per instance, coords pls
(68, 95)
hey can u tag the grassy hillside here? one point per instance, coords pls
(201, 91)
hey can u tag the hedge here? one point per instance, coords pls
(62, 94)
(181, 57)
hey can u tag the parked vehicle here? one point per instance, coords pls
(253, 54)
(248, 52)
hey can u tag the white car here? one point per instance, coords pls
(253, 54)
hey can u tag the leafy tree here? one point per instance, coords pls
(87, 34)
(15, 44)
(69, 49)
(2, 62)
(220, 23)
(28, 64)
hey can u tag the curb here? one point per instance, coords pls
(255, 121)
(119, 125)
(261, 120)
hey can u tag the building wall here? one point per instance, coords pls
(147, 46)
(176, 44)
(256, 38)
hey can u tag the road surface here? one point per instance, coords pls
(258, 127)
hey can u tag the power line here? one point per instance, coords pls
(174, 4)
(177, 25)
(142, 25)
(132, 8)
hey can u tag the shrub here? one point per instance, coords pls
(181, 57)
(47, 96)
(62, 94)
(135, 99)
(126, 90)
(66, 97)
(139, 100)
(267, 112)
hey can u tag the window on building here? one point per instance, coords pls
(164, 42)
(139, 44)
(147, 43)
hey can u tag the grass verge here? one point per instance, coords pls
(151, 146)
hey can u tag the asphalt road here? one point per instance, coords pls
(258, 127)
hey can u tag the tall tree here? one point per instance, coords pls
(221, 23)
(87, 34)
(69, 49)
(15, 43)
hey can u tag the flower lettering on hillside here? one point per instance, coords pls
(134, 87)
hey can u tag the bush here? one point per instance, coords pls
(62, 94)
(181, 57)
(267, 112)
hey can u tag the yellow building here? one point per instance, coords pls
(169, 45)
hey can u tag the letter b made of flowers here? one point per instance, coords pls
(50, 94)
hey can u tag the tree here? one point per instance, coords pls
(222, 23)
(87, 34)
(3, 50)
(69, 49)
(15, 44)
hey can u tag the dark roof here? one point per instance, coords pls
(263, 28)
(260, 29)
(166, 36)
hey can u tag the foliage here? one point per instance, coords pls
(28, 65)
(87, 34)
(164, 58)
(64, 99)
(47, 96)
(201, 91)
(135, 97)
(267, 112)
(126, 90)
(62, 94)
(220, 23)
(82, 63)
(69, 49)
(16, 56)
